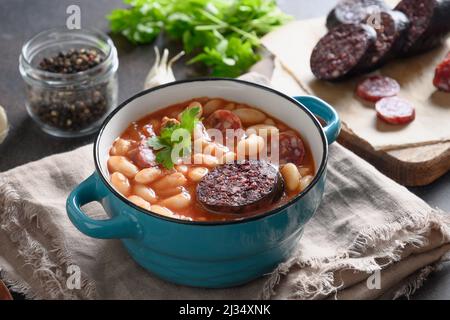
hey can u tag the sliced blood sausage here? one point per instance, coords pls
(223, 120)
(375, 88)
(395, 110)
(240, 187)
(430, 24)
(291, 148)
(391, 28)
(143, 156)
(353, 11)
(342, 51)
(442, 75)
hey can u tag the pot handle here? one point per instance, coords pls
(326, 112)
(118, 227)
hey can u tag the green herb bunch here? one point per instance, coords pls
(222, 34)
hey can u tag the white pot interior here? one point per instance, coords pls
(247, 93)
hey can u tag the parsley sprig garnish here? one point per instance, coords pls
(174, 141)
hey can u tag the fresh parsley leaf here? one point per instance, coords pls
(221, 34)
(164, 157)
(167, 132)
(156, 143)
(136, 25)
(237, 56)
(189, 118)
(174, 141)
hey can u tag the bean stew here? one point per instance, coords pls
(235, 162)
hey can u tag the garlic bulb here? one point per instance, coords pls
(161, 72)
(3, 124)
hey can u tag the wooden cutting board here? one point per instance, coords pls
(413, 166)
(418, 164)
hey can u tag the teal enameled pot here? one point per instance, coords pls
(206, 254)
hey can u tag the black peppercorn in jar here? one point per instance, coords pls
(70, 80)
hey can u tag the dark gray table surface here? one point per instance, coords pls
(21, 19)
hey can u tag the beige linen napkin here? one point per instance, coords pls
(366, 224)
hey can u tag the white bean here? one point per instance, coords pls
(166, 171)
(228, 157)
(120, 147)
(270, 122)
(182, 168)
(165, 193)
(122, 165)
(212, 105)
(241, 149)
(144, 192)
(162, 211)
(180, 201)
(139, 202)
(262, 130)
(249, 116)
(305, 182)
(304, 171)
(173, 180)
(250, 146)
(197, 173)
(230, 106)
(214, 149)
(200, 145)
(148, 175)
(200, 132)
(291, 176)
(205, 159)
(121, 183)
(208, 148)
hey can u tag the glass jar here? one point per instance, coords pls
(69, 104)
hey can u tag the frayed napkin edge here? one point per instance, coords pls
(50, 274)
(322, 283)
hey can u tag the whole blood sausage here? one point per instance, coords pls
(375, 88)
(442, 75)
(342, 51)
(391, 28)
(353, 11)
(394, 110)
(291, 148)
(240, 187)
(430, 24)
